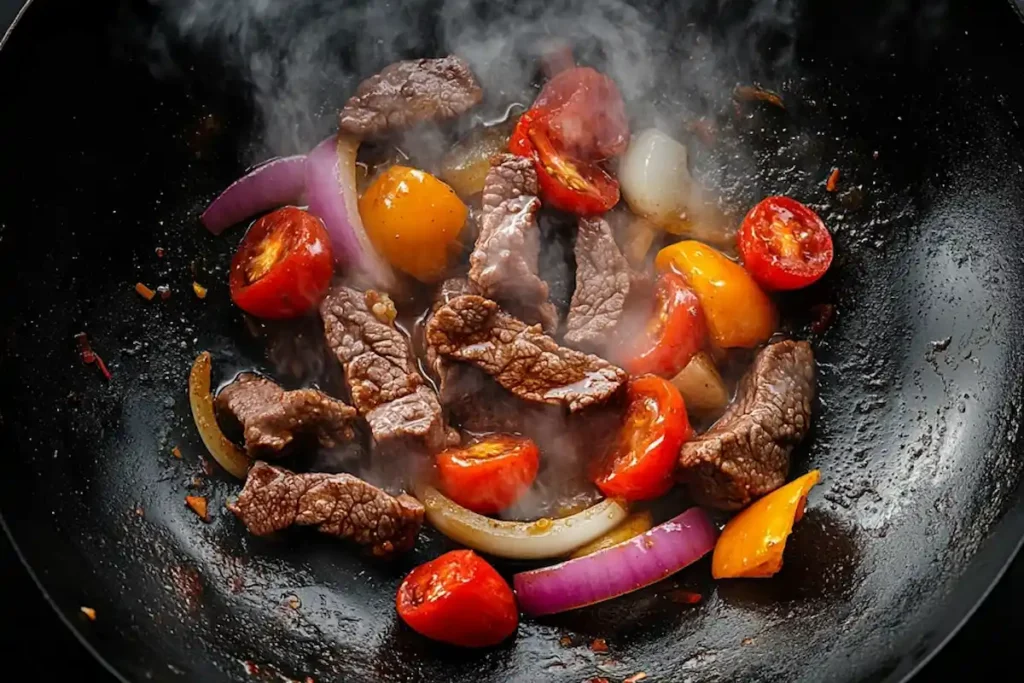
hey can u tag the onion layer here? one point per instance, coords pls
(629, 566)
(541, 539)
(332, 195)
(268, 186)
(227, 454)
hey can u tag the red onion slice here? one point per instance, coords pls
(331, 191)
(268, 186)
(626, 567)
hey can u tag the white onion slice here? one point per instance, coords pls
(519, 540)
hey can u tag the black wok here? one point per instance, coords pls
(110, 152)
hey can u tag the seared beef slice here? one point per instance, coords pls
(520, 357)
(338, 504)
(503, 265)
(380, 369)
(272, 417)
(603, 283)
(746, 453)
(410, 92)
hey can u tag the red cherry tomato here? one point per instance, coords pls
(640, 465)
(283, 266)
(587, 117)
(571, 185)
(490, 475)
(784, 244)
(674, 334)
(459, 599)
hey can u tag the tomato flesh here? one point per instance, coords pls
(587, 114)
(641, 464)
(567, 184)
(784, 244)
(459, 599)
(675, 333)
(490, 475)
(283, 266)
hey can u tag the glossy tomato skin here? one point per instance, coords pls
(488, 476)
(676, 332)
(283, 266)
(784, 244)
(566, 184)
(459, 599)
(642, 461)
(587, 114)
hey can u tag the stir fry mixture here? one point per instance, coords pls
(470, 408)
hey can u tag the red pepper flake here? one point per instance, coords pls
(833, 180)
(636, 678)
(250, 667)
(160, 252)
(751, 93)
(176, 452)
(824, 314)
(144, 291)
(198, 505)
(199, 290)
(164, 291)
(89, 356)
(89, 612)
(599, 645)
(685, 597)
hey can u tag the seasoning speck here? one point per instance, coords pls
(176, 452)
(198, 505)
(747, 641)
(160, 252)
(565, 641)
(164, 291)
(144, 291)
(89, 612)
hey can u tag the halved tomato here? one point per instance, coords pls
(784, 244)
(640, 465)
(283, 266)
(675, 332)
(587, 116)
(489, 475)
(568, 184)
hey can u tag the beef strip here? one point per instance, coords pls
(337, 504)
(520, 357)
(503, 265)
(271, 417)
(746, 453)
(381, 373)
(410, 92)
(604, 281)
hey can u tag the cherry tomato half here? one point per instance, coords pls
(587, 115)
(459, 599)
(490, 475)
(784, 244)
(568, 184)
(674, 333)
(640, 465)
(283, 266)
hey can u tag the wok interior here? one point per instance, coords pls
(111, 154)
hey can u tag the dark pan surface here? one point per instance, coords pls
(916, 435)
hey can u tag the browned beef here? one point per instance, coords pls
(272, 418)
(337, 504)
(746, 453)
(380, 369)
(520, 357)
(410, 92)
(604, 281)
(503, 265)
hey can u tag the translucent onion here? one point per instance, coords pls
(227, 454)
(701, 386)
(541, 539)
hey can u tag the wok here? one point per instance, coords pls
(112, 150)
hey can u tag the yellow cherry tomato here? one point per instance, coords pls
(738, 313)
(752, 543)
(413, 220)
